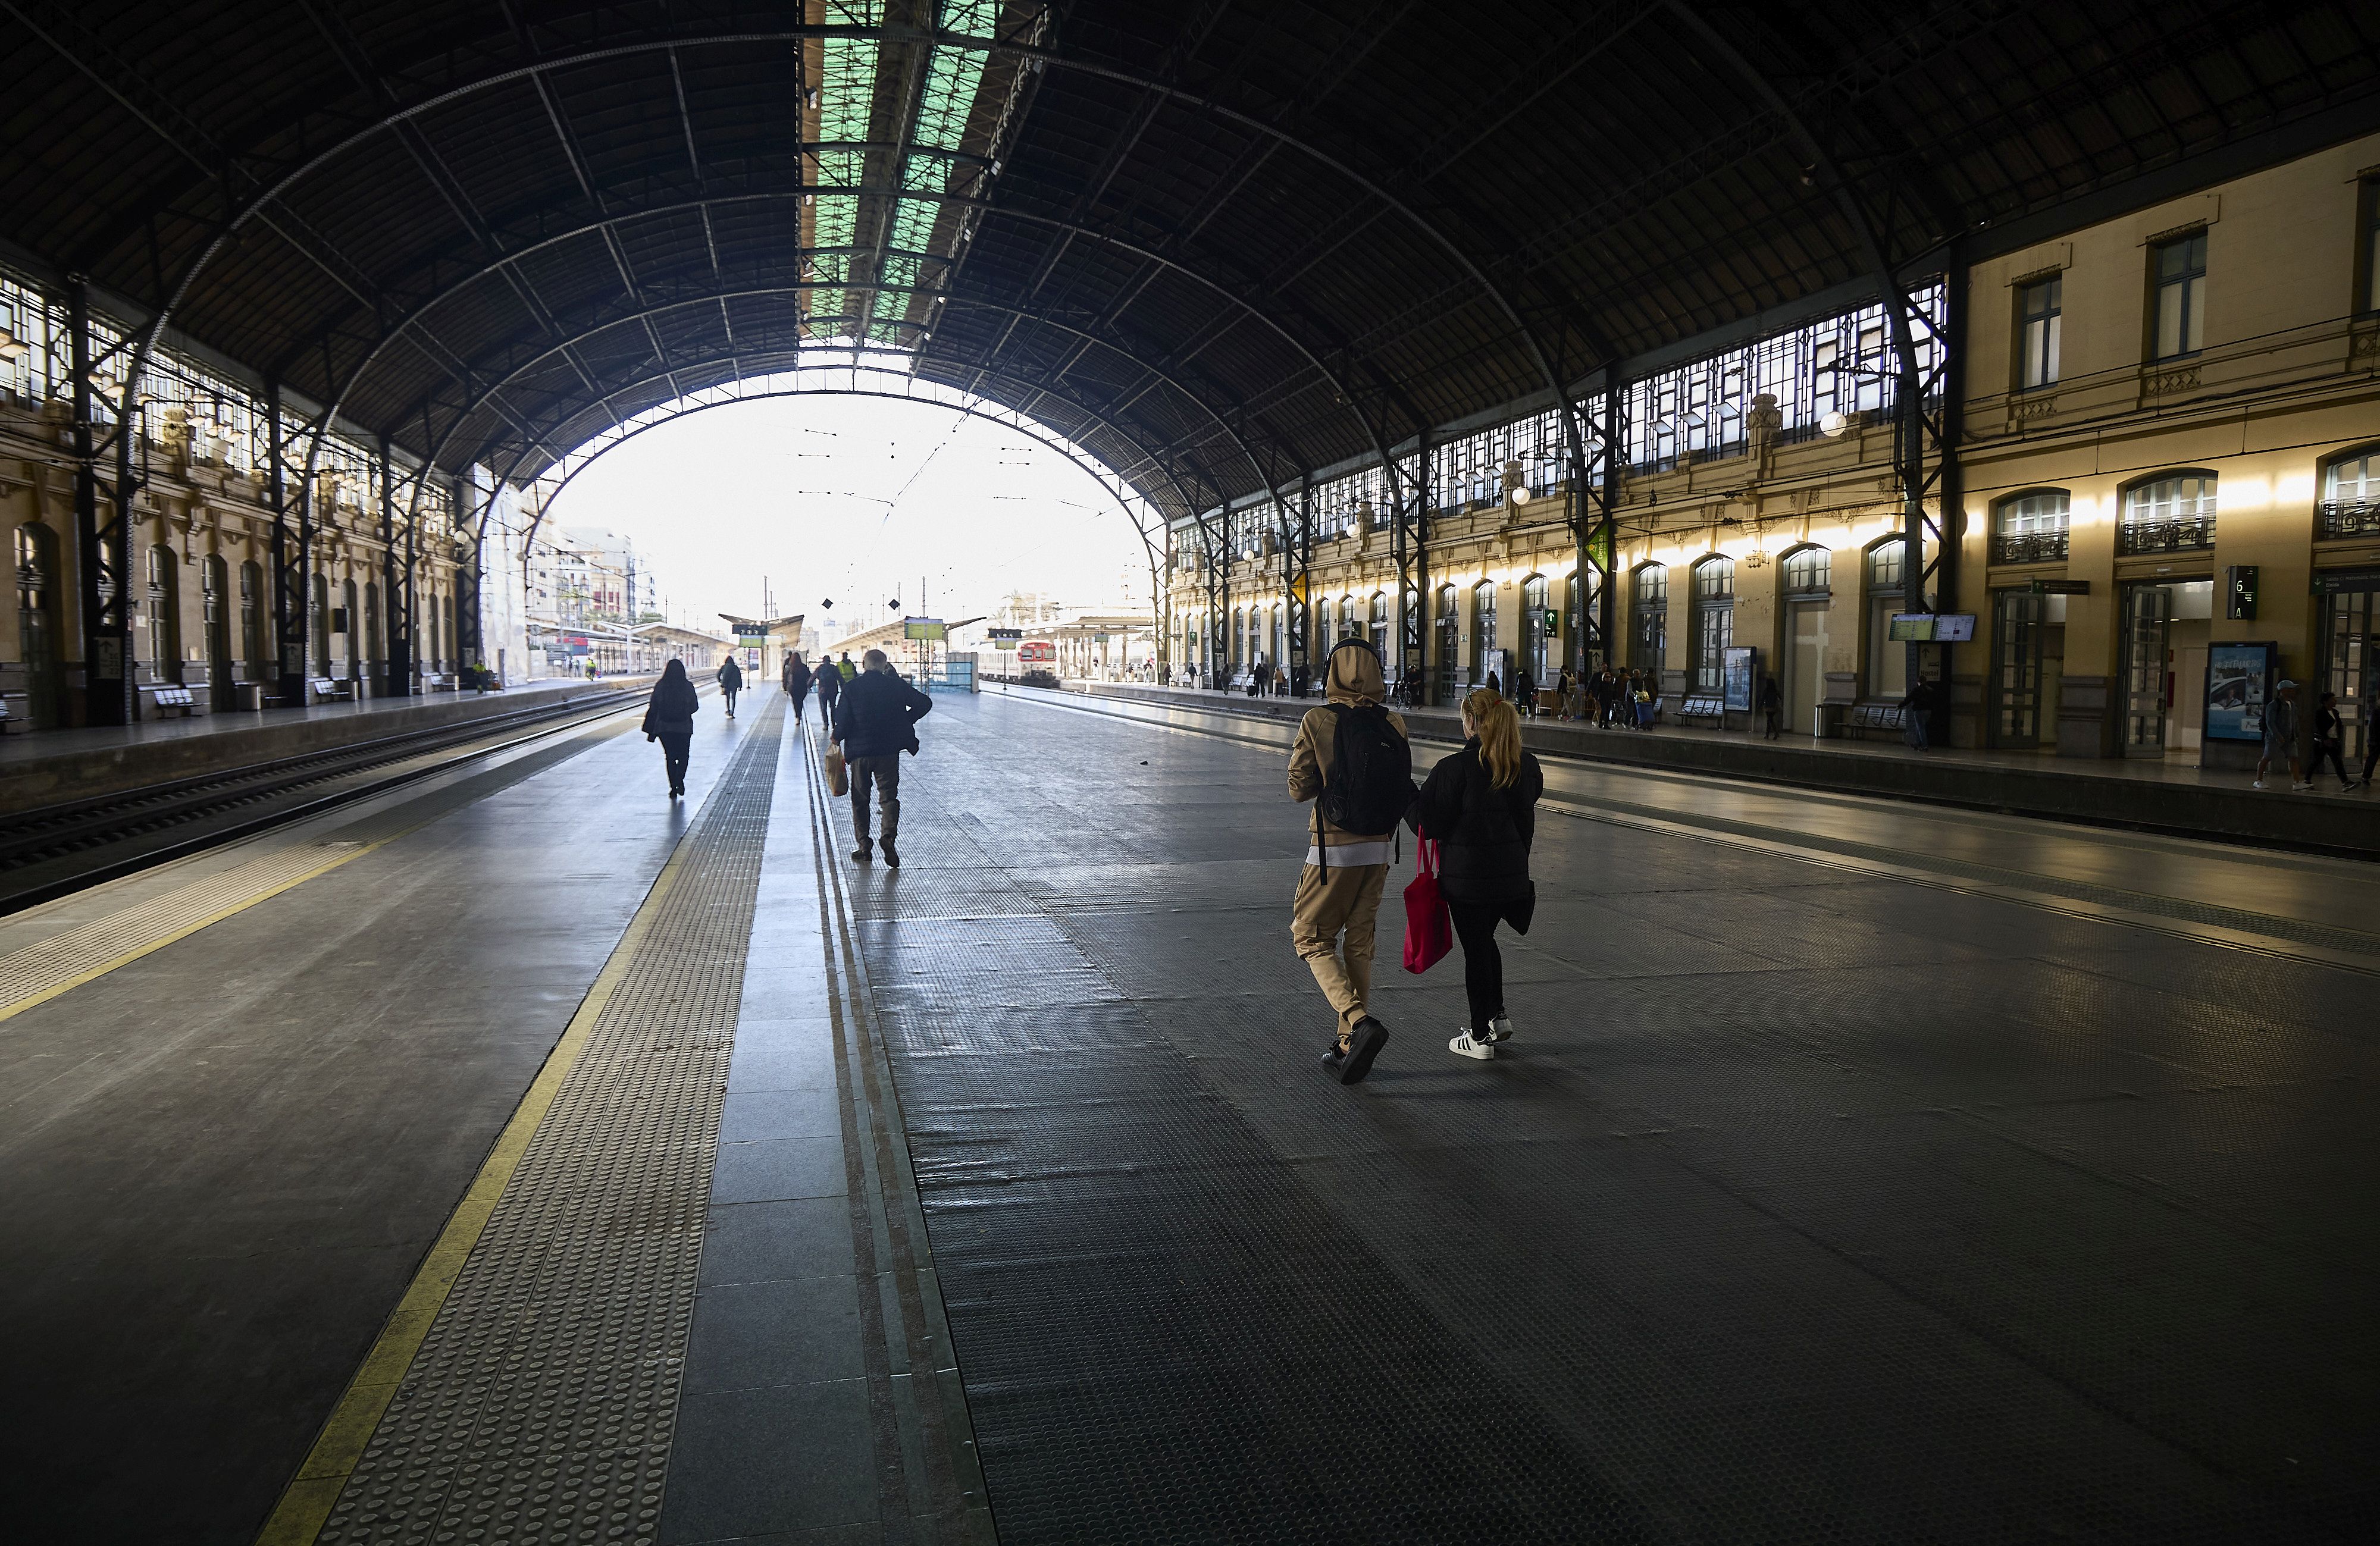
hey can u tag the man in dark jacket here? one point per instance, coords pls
(829, 677)
(876, 724)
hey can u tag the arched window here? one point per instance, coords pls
(2171, 513)
(1648, 617)
(1239, 637)
(2030, 527)
(375, 642)
(214, 577)
(1887, 662)
(1323, 613)
(165, 616)
(37, 621)
(2351, 495)
(251, 621)
(1534, 631)
(1713, 580)
(1350, 626)
(322, 625)
(1378, 632)
(1450, 645)
(1807, 571)
(353, 630)
(1483, 629)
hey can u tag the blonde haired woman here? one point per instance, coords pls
(1480, 804)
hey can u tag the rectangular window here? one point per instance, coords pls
(2180, 296)
(2370, 243)
(2039, 319)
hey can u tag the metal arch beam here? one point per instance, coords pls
(1106, 476)
(1089, 413)
(710, 298)
(1370, 431)
(273, 190)
(1907, 408)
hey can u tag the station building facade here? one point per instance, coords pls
(2166, 439)
(200, 558)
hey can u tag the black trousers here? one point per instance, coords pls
(673, 751)
(2326, 750)
(1483, 960)
(729, 694)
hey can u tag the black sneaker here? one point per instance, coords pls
(862, 854)
(1332, 1057)
(1364, 1043)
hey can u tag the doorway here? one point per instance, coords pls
(2348, 665)
(2166, 625)
(2020, 619)
(1805, 665)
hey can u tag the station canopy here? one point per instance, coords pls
(1216, 244)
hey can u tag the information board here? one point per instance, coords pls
(2239, 682)
(1738, 677)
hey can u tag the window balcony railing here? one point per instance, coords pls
(2337, 518)
(2166, 536)
(2029, 547)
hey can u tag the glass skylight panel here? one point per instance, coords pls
(846, 107)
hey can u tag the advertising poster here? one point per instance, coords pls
(1739, 676)
(2238, 678)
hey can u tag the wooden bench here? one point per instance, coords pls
(1712, 707)
(1875, 718)
(330, 689)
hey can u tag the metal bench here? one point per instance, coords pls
(330, 689)
(173, 698)
(1712, 707)
(1877, 718)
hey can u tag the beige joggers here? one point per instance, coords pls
(1340, 899)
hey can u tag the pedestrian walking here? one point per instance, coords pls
(1772, 706)
(876, 723)
(797, 682)
(731, 681)
(2330, 742)
(1354, 761)
(829, 677)
(1525, 691)
(2281, 738)
(1480, 805)
(1496, 683)
(669, 719)
(1915, 705)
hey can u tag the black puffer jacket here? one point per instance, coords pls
(1482, 832)
(875, 714)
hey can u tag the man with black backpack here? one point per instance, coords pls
(1353, 760)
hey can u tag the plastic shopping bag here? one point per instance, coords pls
(837, 782)
(1430, 928)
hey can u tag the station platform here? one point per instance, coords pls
(2164, 794)
(525, 1156)
(42, 767)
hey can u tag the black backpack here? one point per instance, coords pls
(1369, 786)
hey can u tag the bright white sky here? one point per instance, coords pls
(858, 500)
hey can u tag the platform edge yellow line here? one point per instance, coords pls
(306, 1503)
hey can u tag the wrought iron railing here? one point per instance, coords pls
(2029, 547)
(2337, 518)
(2166, 536)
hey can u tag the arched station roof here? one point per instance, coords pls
(1213, 242)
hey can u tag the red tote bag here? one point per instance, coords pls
(1429, 929)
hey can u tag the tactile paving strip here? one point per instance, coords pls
(541, 1406)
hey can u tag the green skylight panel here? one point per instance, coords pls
(952, 77)
(846, 103)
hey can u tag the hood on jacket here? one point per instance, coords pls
(1353, 674)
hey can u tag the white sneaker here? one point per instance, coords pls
(2300, 789)
(1501, 1029)
(1464, 1047)
(2258, 784)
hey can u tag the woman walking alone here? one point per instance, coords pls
(669, 719)
(1481, 806)
(797, 682)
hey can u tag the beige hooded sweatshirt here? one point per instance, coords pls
(1355, 678)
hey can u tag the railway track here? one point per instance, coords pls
(51, 850)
